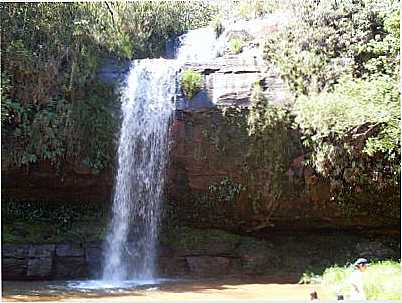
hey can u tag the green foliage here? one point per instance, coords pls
(382, 280)
(34, 132)
(191, 83)
(309, 277)
(354, 132)
(52, 108)
(268, 127)
(50, 222)
(341, 60)
(92, 117)
(226, 190)
(246, 9)
(329, 38)
(236, 45)
(61, 130)
(150, 23)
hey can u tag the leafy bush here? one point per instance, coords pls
(52, 108)
(82, 131)
(52, 222)
(382, 280)
(236, 45)
(252, 9)
(354, 132)
(341, 60)
(268, 127)
(191, 82)
(326, 39)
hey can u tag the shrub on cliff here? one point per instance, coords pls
(191, 83)
(236, 45)
(352, 128)
(268, 128)
(325, 39)
(341, 60)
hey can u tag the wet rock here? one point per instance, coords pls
(257, 257)
(374, 250)
(173, 266)
(113, 70)
(69, 250)
(44, 183)
(70, 268)
(42, 251)
(15, 251)
(40, 268)
(211, 265)
(94, 258)
(198, 242)
(13, 268)
(165, 251)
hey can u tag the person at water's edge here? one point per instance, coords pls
(356, 280)
(313, 296)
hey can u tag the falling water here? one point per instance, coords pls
(197, 45)
(130, 247)
(142, 156)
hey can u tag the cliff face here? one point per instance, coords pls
(222, 177)
(219, 176)
(215, 181)
(44, 182)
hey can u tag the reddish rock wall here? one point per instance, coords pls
(210, 153)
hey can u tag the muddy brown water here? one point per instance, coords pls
(174, 290)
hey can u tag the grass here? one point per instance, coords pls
(191, 82)
(382, 280)
(236, 45)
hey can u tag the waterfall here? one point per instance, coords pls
(142, 156)
(147, 104)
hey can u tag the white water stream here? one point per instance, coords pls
(147, 105)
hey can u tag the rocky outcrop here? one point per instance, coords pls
(47, 261)
(205, 253)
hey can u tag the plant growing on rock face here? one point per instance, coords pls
(236, 45)
(191, 83)
(226, 190)
(268, 127)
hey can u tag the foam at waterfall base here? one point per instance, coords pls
(125, 284)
